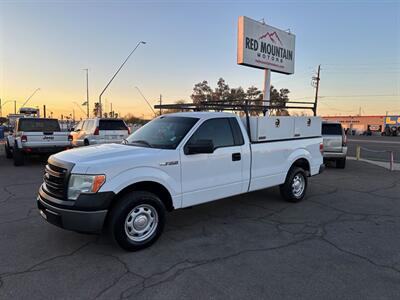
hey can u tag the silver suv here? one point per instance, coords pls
(100, 131)
(335, 143)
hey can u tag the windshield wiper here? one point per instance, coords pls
(143, 142)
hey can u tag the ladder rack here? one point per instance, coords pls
(247, 106)
(244, 105)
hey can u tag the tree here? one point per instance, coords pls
(279, 98)
(131, 119)
(201, 92)
(96, 109)
(222, 91)
(255, 96)
(174, 110)
(223, 94)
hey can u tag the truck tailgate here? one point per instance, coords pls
(46, 139)
(332, 143)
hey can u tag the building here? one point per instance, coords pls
(360, 124)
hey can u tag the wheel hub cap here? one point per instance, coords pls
(141, 222)
(298, 185)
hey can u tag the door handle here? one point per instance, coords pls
(236, 156)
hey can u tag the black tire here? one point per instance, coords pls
(119, 215)
(18, 157)
(341, 163)
(8, 150)
(287, 189)
(86, 143)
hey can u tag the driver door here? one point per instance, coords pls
(211, 176)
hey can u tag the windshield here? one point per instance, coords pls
(164, 132)
(38, 125)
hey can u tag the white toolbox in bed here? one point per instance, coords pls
(273, 128)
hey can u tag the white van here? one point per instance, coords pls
(100, 131)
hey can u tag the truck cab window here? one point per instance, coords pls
(218, 130)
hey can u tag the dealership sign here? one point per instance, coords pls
(265, 47)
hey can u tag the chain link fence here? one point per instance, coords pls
(385, 156)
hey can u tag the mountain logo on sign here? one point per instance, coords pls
(272, 36)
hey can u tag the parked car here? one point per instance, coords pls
(335, 143)
(75, 131)
(100, 131)
(176, 161)
(36, 136)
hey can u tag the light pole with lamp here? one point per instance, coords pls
(29, 98)
(140, 92)
(87, 92)
(119, 69)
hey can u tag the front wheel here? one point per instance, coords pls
(137, 220)
(295, 186)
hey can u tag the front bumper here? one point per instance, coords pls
(86, 214)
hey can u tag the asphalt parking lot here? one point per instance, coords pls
(375, 148)
(342, 241)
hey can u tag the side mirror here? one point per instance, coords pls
(201, 146)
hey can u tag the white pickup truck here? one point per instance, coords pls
(175, 161)
(35, 136)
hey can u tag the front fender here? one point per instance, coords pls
(141, 174)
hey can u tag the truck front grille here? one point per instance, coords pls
(55, 181)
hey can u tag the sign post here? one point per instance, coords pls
(265, 47)
(267, 90)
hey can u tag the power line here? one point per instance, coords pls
(351, 96)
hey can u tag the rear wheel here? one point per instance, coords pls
(18, 156)
(8, 150)
(341, 163)
(86, 143)
(295, 186)
(137, 220)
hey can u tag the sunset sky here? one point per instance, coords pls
(47, 44)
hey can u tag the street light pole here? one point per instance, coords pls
(87, 92)
(29, 98)
(119, 69)
(140, 92)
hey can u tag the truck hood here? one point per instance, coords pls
(105, 153)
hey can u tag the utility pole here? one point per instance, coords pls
(15, 106)
(160, 104)
(1, 110)
(87, 92)
(315, 83)
(111, 111)
(44, 111)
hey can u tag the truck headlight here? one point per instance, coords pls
(87, 184)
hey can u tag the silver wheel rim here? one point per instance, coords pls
(141, 222)
(298, 185)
